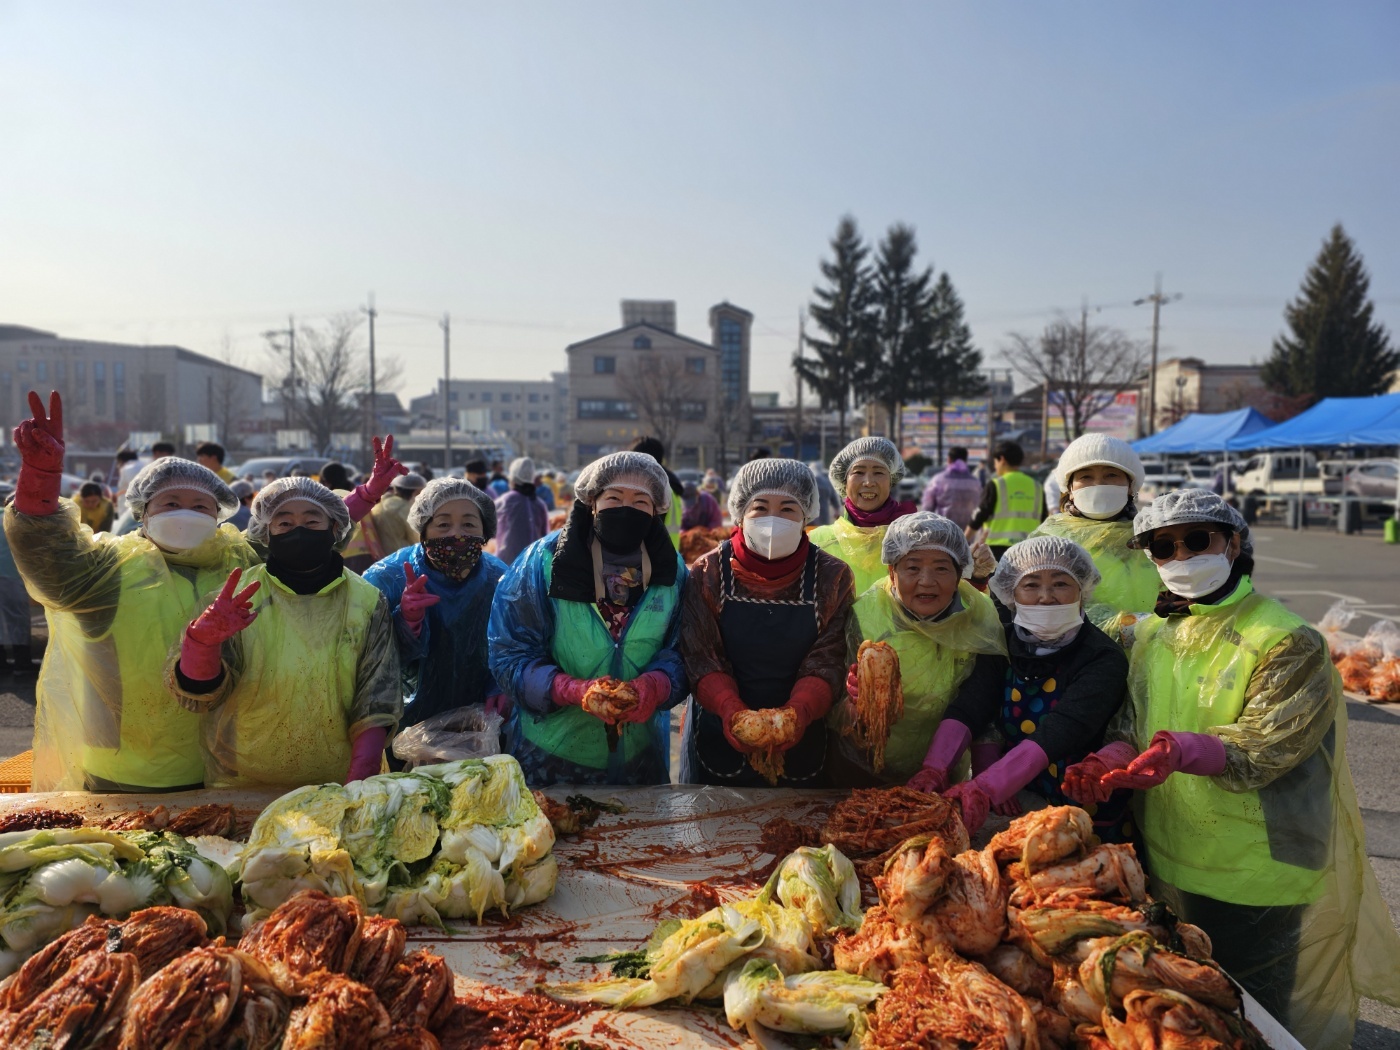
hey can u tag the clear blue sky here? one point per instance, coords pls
(183, 172)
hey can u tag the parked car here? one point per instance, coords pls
(1282, 474)
(283, 465)
(1373, 479)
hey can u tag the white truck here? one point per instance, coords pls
(1277, 474)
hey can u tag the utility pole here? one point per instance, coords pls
(801, 345)
(289, 401)
(1157, 299)
(373, 415)
(446, 324)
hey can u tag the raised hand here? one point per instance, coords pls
(416, 599)
(386, 468)
(40, 439)
(228, 614)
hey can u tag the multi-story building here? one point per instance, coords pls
(1188, 384)
(531, 413)
(112, 390)
(646, 378)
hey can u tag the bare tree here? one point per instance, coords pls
(229, 404)
(1082, 368)
(330, 372)
(664, 394)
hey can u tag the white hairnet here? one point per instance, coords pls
(880, 449)
(445, 490)
(787, 477)
(277, 494)
(1188, 506)
(1038, 553)
(627, 468)
(926, 531)
(172, 473)
(522, 470)
(1093, 450)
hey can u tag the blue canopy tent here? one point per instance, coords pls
(1204, 432)
(1333, 421)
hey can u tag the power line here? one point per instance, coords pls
(1157, 299)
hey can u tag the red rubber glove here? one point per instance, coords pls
(567, 691)
(228, 614)
(853, 681)
(653, 690)
(1200, 754)
(367, 754)
(972, 801)
(416, 600)
(718, 694)
(809, 700)
(984, 755)
(39, 441)
(498, 704)
(930, 780)
(1010, 808)
(381, 476)
(1082, 779)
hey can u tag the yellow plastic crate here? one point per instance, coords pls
(16, 773)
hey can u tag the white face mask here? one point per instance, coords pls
(1048, 622)
(772, 537)
(180, 530)
(1100, 502)
(1195, 577)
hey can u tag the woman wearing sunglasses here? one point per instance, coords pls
(1234, 737)
(1100, 476)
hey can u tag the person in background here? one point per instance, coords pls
(1049, 699)
(1012, 504)
(713, 484)
(94, 509)
(15, 625)
(269, 476)
(211, 454)
(1234, 741)
(599, 599)
(700, 509)
(500, 484)
(653, 447)
(363, 548)
(953, 492)
(765, 629)
(128, 465)
(116, 606)
(439, 592)
(939, 625)
(1054, 490)
(245, 492)
(1099, 477)
(161, 449)
(521, 515)
(828, 501)
(866, 472)
(544, 489)
(390, 518)
(476, 473)
(278, 706)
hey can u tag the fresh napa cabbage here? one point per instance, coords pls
(391, 822)
(270, 876)
(449, 891)
(489, 790)
(20, 850)
(816, 1003)
(787, 938)
(533, 884)
(27, 923)
(310, 816)
(820, 883)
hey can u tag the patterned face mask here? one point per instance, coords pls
(454, 556)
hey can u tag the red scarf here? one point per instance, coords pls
(889, 510)
(773, 569)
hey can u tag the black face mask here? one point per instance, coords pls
(301, 549)
(622, 529)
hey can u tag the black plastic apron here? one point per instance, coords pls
(766, 641)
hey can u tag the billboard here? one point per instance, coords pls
(1116, 416)
(965, 422)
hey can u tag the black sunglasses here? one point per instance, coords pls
(1195, 541)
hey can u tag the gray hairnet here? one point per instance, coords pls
(1038, 553)
(445, 490)
(1189, 506)
(876, 448)
(277, 494)
(608, 471)
(788, 477)
(410, 482)
(172, 473)
(521, 470)
(926, 531)
(243, 489)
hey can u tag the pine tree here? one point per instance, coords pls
(901, 323)
(951, 366)
(1333, 348)
(843, 311)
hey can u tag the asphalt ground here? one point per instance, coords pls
(1309, 570)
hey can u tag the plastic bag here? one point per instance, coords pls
(1336, 620)
(1384, 684)
(465, 732)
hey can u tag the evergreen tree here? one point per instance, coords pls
(1333, 348)
(843, 312)
(951, 366)
(901, 298)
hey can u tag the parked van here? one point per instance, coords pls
(1277, 474)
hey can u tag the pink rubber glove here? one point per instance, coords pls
(1013, 771)
(972, 802)
(653, 690)
(39, 442)
(386, 469)
(366, 754)
(498, 704)
(229, 613)
(984, 754)
(950, 740)
(1199, 754)
(416, 600)
(567, 691)
(1082, 779)
(1010, 808)
(810, 700)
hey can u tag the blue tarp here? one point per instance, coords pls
(1333, 421)
(1204, 432)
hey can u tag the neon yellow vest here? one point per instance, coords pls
(857, 547)
(584, 648)
(674, 514)
(286, 722)
(935, 657)
(1130, 582)
(1019, 505)
(1189, 674)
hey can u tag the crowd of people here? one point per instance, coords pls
(1096, 652)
